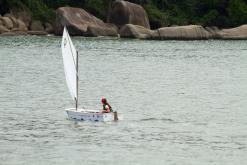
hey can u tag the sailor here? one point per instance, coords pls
(106, 106)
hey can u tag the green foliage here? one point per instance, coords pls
(237, 12)
(157, 18)
(177, 16)
(39, 9)
(221, 13)
(209, 18)
(97, 8)
(55, 3)
(213, 18)
(14, 3)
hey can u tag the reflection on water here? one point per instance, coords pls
(181, 102)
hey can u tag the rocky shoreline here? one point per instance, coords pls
(125, 19)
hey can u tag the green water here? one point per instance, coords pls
(182, 102)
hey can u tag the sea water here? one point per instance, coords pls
(181, 102)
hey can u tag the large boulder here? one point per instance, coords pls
(189, 32)
(234, 33)
(213, 30)
(135, 31)
(18, 25)
(76, 20)
(49, 28)
(36, 26)
(22, 14)
(124, 12)
(12, 18)
(3, 29)
(108, 30)
(21, 26)
(7, 22)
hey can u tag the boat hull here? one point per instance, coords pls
(90, 115)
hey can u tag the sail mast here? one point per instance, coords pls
(76, 80)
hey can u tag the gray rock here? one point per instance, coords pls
(135, 31)
(213, 31)
(6, 21)
(189, 32)
(13, 19)
(3, 29)
(76, 20)
(49, 28)
(39, 33)
(236, 33)
(22, 14)
(21, 26)
(36, 26)
(18, 25)
(108, 30)
(124, 12)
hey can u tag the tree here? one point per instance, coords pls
(237, 11)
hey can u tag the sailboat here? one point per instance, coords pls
(70, 61)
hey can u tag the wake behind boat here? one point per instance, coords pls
(70, 61)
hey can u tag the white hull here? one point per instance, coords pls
(90, 115)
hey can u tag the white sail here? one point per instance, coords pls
(69, 60)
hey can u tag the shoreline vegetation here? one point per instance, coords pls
(142, 19)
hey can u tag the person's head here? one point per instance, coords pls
(103, 100)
